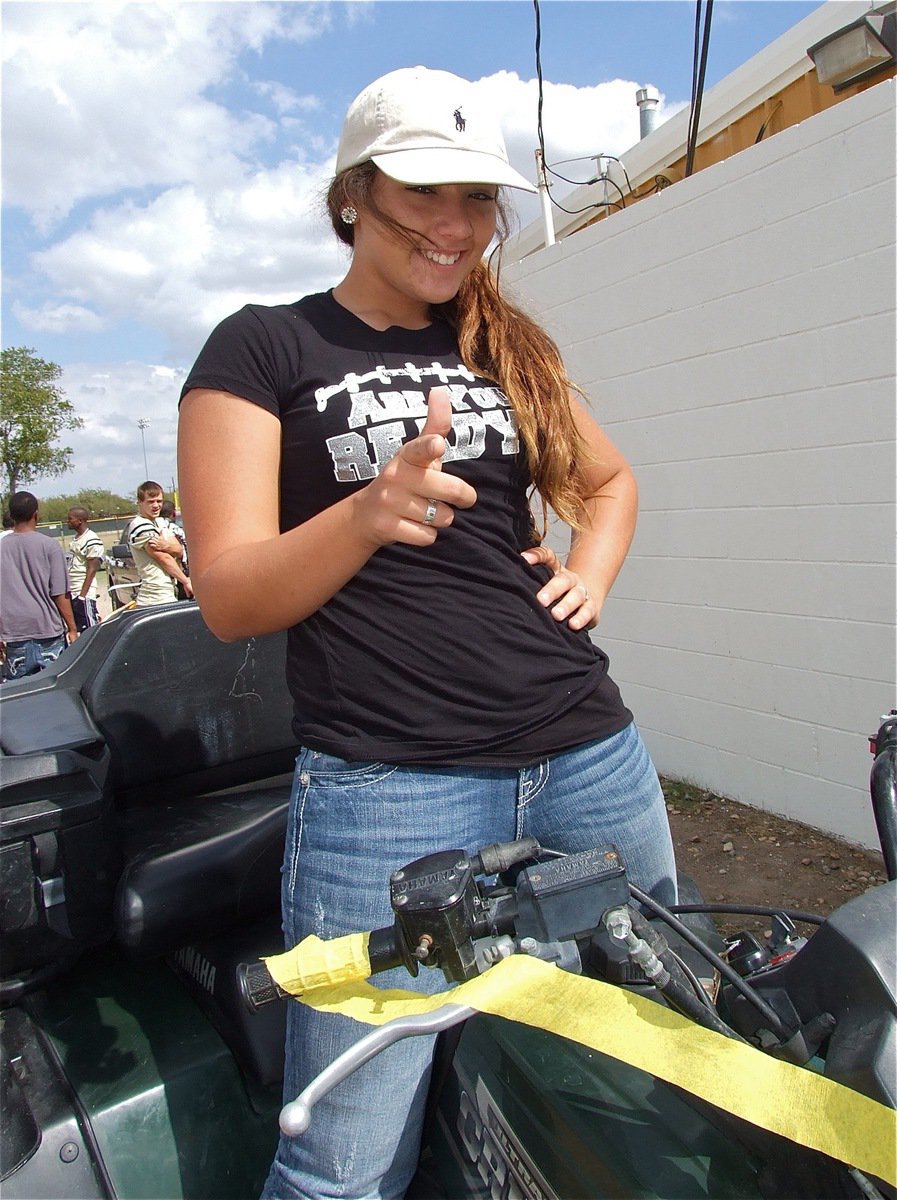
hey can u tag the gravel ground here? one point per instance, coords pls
(740, 854)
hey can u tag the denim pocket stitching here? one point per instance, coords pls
(301, 797)
(538, 787)
(349, 778)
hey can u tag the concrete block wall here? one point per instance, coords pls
(736, 337)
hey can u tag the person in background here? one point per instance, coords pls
(168, 513)
(356, 468)
(36, 618)
(7, 523)
(157, 552)
(87, 557)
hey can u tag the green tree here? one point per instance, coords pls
(99, 502)
(34, 413)
(102, 503)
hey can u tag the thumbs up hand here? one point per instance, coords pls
(412, 499)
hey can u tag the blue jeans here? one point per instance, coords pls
(350, 825)
(30, 656)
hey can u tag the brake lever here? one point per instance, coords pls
(295, 1117)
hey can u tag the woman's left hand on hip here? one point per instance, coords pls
(566, 594)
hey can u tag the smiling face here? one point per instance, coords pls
(451, 227)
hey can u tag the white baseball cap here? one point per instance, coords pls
(430, 127)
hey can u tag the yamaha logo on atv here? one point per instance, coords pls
(500, 1160)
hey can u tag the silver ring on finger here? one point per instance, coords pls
(430, 514)
(585, 592)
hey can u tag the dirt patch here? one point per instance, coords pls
(739, 854)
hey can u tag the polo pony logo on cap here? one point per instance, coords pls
(460, 123)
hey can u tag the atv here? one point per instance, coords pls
(145, 784)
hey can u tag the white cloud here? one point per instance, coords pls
(108, 450)
(111, 96)
(285, 99)
(192, 222)
(182, 261)
(58, 318)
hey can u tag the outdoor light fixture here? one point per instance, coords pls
(859, 50)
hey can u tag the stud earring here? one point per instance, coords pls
(349, 214)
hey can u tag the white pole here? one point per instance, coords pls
(601, 163)
(547, 218)
(142, 426)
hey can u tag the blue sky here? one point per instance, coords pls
(163, 162)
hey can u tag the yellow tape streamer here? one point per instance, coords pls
(315, 964)
(774, 1095)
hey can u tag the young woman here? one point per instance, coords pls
(379, 444)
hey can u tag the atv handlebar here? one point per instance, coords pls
(568, 910)
(883, 789)
(451, 912)
(571, 910)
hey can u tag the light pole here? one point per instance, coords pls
(142, 426)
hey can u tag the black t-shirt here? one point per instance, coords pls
(439, 654)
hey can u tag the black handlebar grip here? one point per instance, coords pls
(883, 790)
(385, 949)
(257, 988)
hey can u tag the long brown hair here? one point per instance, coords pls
(497, 340)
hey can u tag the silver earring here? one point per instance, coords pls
(349, 214)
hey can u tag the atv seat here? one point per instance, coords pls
(195, 869)
(168, 775)
(196, 729)
(146, 781)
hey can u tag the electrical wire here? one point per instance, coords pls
(765, 125)
(694, 69)
(772, 1018)
(660, 182)
(605, 178)
(539, 132)
(622, 167)
(681, 989)
(590, 158)
(750, 910)
(579, 158)
(692, 978)
(699, 70)
(633, 194)
(578, 182)
(573, 212)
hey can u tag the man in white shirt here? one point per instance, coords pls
(157, 552)
(87, 557)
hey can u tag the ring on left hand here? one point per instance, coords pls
(430, 514)
(585, 592)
